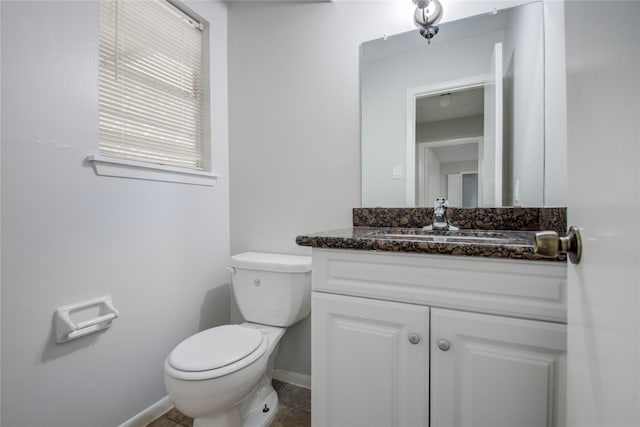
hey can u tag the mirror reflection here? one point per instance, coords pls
(448, 164)
(460, 118)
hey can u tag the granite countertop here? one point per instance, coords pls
(480, 243)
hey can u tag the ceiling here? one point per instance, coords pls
(464, 103)
(457, 153)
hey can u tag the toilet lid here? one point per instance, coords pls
(215, 348)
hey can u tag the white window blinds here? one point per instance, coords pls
(151, 83)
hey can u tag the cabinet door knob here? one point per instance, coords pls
(414, 338)
(444, 345)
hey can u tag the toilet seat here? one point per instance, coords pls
(216, 352)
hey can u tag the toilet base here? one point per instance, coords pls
(257, 416)
(250, 413)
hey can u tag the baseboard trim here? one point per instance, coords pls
(294, 378)
(149, 414)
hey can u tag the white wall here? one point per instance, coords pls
(294, 121)
(294, 126)
(159, 249)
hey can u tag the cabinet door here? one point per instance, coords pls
(492, 371)
(366, 371)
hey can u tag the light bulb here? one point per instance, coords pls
(445, 100)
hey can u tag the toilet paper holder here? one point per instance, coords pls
(66, 329)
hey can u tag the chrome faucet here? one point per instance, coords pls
(440, 220)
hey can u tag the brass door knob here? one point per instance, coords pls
(549, 244)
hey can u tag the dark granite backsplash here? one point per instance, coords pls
(521, 219)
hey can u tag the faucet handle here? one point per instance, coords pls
(440, 202)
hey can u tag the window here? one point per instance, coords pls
(152, 85)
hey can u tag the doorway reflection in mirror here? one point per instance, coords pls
(448, 141)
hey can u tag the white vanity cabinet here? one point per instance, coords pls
(403, 339)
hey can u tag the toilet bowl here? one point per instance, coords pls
(222, 376)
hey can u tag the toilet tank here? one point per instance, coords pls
(272, 289)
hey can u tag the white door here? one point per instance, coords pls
(495, 371)
(366, 372)
(603, 133)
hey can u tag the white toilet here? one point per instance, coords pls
(222, 376)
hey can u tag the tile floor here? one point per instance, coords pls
(295, 409)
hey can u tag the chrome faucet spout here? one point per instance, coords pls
(440, 220)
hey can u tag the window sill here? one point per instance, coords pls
(115, 167)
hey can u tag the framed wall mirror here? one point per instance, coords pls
(461, 117)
